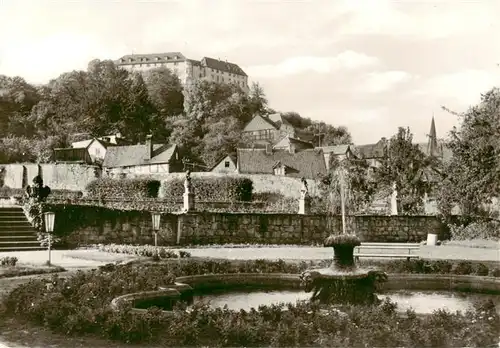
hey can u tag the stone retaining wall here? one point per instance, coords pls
(217, 228)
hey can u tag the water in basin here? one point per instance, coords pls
(423, 302)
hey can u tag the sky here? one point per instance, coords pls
(371, 66)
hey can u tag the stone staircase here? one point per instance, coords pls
(16, 233)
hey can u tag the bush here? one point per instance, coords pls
(123, 188)
(8, 261)
(143, 250)
(66, 194)
(464, 268)
(6, 191)
(489, 230)
(481, 269)
(216, 189)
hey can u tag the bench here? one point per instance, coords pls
(402, 250)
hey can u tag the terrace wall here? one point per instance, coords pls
(216, 228)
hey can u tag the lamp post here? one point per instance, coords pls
(49, 218)
(156, 225)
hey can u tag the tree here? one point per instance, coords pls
(405, 165)
(17, 98)
(472, 176)
(328, 135)
(165, 91)
(138, 116)
(215, 114)
(258, 100)
(187, 135)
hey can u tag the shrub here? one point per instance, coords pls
(66, 194)
(123, 188)
(8, 261)
(464, 268)
(6, 191)
(476, 230)
(481, 269)
(216, 189)
(158, 252)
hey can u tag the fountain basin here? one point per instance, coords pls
(191, 288)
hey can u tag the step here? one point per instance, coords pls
(10, 209)
(15, 229)
(14, 224)
(33, 244)
(17, 237)
(11, 212)
(24, 248)
(18, 232)
(15, 221)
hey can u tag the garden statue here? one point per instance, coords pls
(38, 192)
(187, 181)
(304, 190)
(188, 194)
(394, 200)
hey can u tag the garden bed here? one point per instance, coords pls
(79, 305)
(19, 271)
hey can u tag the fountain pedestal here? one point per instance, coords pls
(342, 282)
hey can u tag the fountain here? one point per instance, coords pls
(343, 282)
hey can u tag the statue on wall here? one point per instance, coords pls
(394, 200)
(187, 181)
(38, 191)
(304, 189)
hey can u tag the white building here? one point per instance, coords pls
(188, 70)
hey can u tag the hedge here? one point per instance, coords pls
(6, 191)
(123, 188)
(215, 189)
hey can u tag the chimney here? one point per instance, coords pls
(291, 149)
(269, 149)
(149, 146)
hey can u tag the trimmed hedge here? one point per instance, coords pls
(123, 188)
(6, 191)
(216, 189)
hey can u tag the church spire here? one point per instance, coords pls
(432, 145)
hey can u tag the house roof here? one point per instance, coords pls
(232, 157)
(82, 144)
(166, 57)
(369, 151)
(86, 143)
(296, 141)
(136, 155)
(307, 163)
(335, 149)
(222, 66)
(278, 119)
